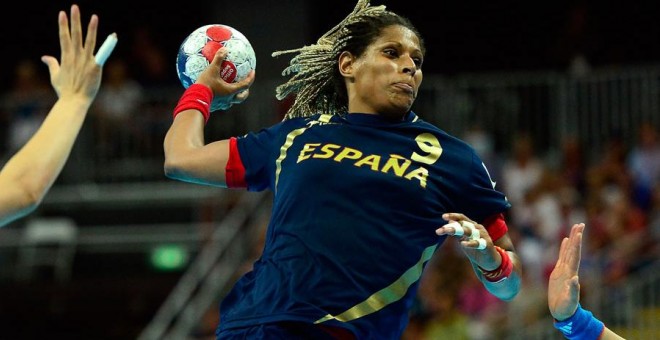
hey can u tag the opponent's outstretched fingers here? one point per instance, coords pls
(51, 62)
(76, 28)
(90, 39)
(574, 247)
(65, 35)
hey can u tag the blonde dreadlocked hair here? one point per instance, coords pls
(315, 78)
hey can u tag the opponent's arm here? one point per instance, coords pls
(29, 174)
(500, 270)
(564, 293)
(187, 157)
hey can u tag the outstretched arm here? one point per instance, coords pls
(563, 285)
(564, 293)
(29, 174)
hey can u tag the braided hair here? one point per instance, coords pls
(314, 75)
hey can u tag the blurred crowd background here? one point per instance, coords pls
(561, 99)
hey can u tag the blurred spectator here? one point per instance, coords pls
(608, 175)
(526, 309)
(571, 207)
(644, 165)
(152, 67)
(618, 226)
(26, 104)
(521, 171)
(579, 66)
(446, 321)
(575, 39)
(483, 143)
(626, 227)
(545, 221)
(531, 249)
(436, 314)
(652, 248)
(155, 70)
(572, 165)
(117, 106)
(483, 310)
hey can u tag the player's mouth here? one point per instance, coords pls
(405, 87)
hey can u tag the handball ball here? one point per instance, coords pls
(198, 49)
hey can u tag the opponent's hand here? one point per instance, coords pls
(564, 285)
(239, 91)
(78, 74)
(474, 239)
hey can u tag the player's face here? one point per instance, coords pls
(385, 79)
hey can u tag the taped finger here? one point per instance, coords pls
(474, 232)
(482, 244)
(106, 48)
(458, 229)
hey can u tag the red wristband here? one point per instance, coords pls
(501, 272)
(196, 97)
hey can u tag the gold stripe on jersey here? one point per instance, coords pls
(289, 141)
(390, 294)
(324, 118)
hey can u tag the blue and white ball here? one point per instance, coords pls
(198, 49)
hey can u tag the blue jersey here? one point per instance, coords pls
(357, 200)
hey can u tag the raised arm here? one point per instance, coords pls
(187, 156)
(564, 293)
(29, 174)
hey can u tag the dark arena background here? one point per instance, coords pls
(461, 36)
(118, 251)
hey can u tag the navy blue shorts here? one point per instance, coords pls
(285, 331)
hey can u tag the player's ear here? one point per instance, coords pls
(346, 64)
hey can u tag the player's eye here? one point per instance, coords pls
(391, 52)
(418, 62)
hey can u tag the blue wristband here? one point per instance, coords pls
(581, 326)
